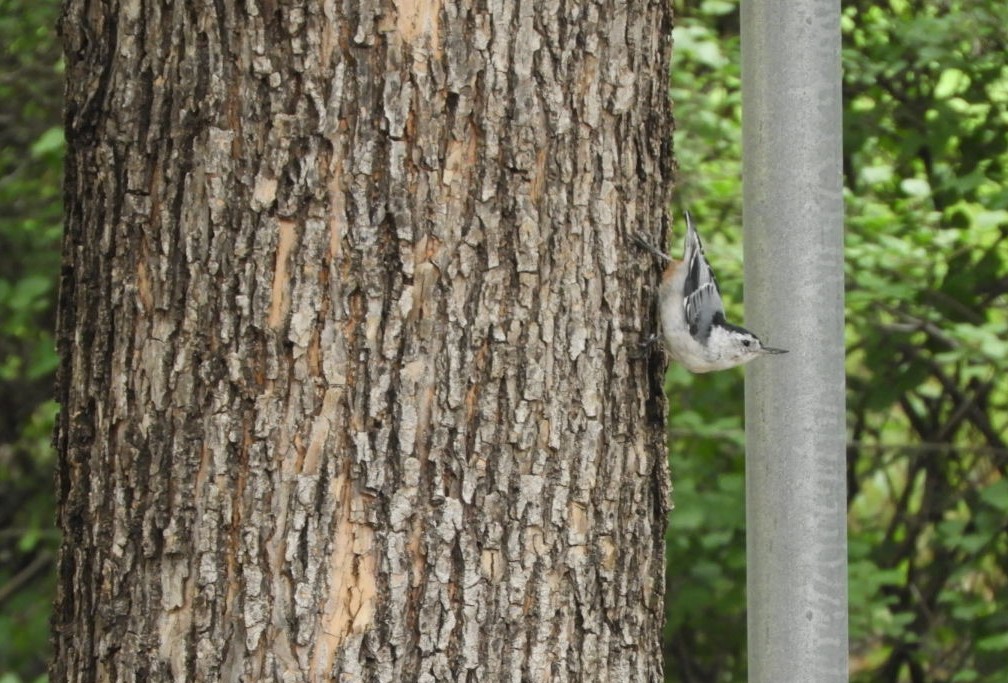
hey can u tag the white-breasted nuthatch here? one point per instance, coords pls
(693, 323)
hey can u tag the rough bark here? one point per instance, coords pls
(350, 387)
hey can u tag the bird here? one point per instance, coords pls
(693, 325)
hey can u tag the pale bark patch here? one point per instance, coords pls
(174, 629)
(460, 158)
(143, 285)
(280, 299)
(417, 19)
(353, 592)
(264, 193)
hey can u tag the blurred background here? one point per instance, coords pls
(31, 164)
(925, 155)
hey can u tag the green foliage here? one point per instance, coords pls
(926, 151)
(705, 614)
(926, 148)
(31, 153)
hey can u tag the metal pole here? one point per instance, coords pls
(795, 420)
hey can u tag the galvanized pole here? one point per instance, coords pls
(795, 420)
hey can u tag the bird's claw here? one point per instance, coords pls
(650, 248)
(644, 346)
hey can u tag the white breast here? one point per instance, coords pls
(680, 344)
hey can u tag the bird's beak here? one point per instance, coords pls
(767, 349)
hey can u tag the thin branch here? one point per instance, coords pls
(41, 562)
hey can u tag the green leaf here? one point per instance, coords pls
(29, 539)
(994, 643)
(996, 495)
(49, 142)
(915, 187)
(874, 175)
(951, 82)
(718, 7)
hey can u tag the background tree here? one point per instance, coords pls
(350, 385)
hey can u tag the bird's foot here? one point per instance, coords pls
(650, 248)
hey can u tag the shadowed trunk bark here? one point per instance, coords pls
(350, 388)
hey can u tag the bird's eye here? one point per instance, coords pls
(745, 342)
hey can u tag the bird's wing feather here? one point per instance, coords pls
(701, 295)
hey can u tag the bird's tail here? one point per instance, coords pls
(691, 244)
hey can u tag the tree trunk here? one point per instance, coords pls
(349, 320)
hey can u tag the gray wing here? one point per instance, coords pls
(701, 295)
